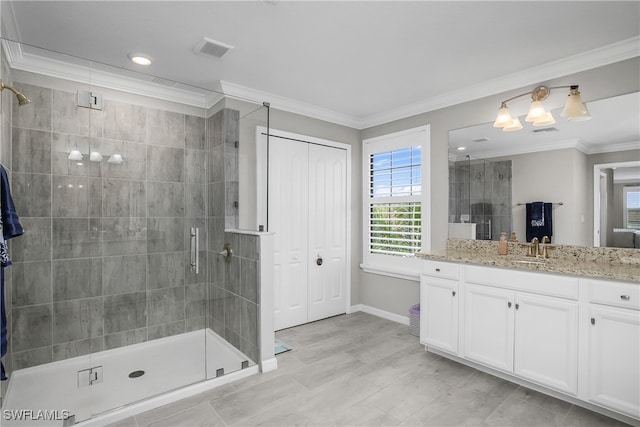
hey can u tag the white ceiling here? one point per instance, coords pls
(355, 63)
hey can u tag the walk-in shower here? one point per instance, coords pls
(118, 291)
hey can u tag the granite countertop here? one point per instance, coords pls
(601, 263)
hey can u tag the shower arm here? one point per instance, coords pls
(22, 100)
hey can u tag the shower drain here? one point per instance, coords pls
(136, 374)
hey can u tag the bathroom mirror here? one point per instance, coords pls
(556, 164)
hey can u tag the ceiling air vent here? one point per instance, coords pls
(211, 47)
(552, 129)
(481, 139)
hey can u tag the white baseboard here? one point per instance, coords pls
(380, 313)
(269, 365)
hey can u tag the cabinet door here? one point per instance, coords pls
(488, 336)
(546, 341)
(614, 371)
(439, 313)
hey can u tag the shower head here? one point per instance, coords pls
(22, 100)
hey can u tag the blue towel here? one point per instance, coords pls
(537, 214)
(10, 222)
(546, 227)
(3, 326)
(11, 227)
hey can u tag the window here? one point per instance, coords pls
(395, 202)
(631, 210)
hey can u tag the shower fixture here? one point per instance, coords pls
(22, 100)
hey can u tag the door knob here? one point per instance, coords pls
(319, 260)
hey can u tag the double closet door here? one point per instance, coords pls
(308, 214)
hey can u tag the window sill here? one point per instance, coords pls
(399, 273)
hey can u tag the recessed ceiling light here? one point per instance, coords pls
(139, 59)
(462, 148)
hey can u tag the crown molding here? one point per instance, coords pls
(616, 52)
(605, 55)
(524, 149)
(290, 105)
(609, 148)
(550, 146)
(20, 60)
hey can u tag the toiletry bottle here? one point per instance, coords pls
(513, 237)
(502, 244)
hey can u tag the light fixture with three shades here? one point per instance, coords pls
(574, 109)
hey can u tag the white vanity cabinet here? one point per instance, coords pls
(573, 337)
(614, 346)
(532, 336)
(546, 341)
(439, 295)
(488, 331)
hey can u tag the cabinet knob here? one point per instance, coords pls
(509, 304)
(453, 293)
(625, 297)
(517, 306)
(438, 270)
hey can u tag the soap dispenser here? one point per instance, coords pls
(502, 244)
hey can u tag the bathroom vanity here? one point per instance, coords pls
(567, 326)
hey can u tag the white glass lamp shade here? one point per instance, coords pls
(547, 121)
(575, 110)
(75, 155)
(504, 117)
(115, 158)
(536, 112)
(514, 126)
(95, 156)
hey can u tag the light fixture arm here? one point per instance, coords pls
(540, 93)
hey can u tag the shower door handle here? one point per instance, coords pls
(195, 249)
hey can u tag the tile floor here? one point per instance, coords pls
(361, 370)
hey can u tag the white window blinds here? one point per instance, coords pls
(395, 187)
(632, 207)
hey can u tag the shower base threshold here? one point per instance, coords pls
(124, 381)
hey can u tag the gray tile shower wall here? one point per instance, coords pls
(233, 286)
(104, 259)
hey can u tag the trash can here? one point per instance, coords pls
(414, 320)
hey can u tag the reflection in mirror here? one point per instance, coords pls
(479, 199)
(617, 205)
(551, 164)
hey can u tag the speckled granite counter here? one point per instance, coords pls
(601, 263)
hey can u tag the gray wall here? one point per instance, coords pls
(104, 259)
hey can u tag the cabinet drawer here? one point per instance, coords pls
(615, 293)
(445, 270)
(538, 283)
